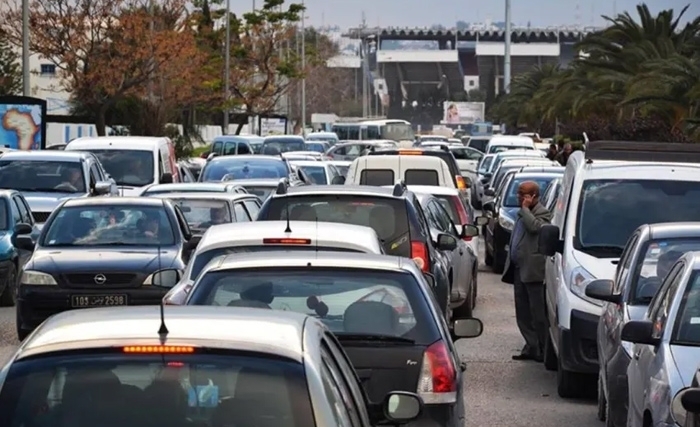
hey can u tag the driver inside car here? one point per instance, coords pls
(650, 285)
(256, 296)
(73, 179)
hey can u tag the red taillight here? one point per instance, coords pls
(419, 254)
(461, 185)
(438, 378)
(461, 213)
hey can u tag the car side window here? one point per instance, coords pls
(444, 219)
(430, 217)
(658, 311)
(341, 384)
(16, 216)
(23, 202)
(623, 265)
(421, 215)
(335, 400)
(94, 175)
(184, 226)
(217, 148)
(240, 213)
(253, 208)
(230, 148)
(353, 381)
(24, 214)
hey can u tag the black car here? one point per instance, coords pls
(100, 252)
(395, 214)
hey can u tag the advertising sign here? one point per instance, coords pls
(462, 113)
(22, 123)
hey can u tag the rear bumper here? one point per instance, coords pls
(446, 415)
(37, 303)
(578, 349)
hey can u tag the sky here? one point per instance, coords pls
(424, 13)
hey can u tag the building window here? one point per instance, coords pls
(471, 83)
(48, 70)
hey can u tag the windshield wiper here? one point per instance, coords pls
(374, 338)
(602, 250)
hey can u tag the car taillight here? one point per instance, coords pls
(461, 185)
(462, 213)
(419, 254)
(438, 376)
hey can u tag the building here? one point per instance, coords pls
(45, 83)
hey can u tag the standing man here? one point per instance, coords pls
(563, 157)
(525, 270)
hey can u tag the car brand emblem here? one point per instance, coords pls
(100, 279)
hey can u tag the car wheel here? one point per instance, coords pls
(602, 404)
(8, 297)
(476, 204)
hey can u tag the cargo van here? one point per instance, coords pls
(134, 162)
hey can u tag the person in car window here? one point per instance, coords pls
(257, 296)
(216, 216)
(72, 179)
(525, 270)
(151, 225)
(650, 285)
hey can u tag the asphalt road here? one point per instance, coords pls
(499, 391)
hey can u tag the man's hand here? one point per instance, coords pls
(527, 201)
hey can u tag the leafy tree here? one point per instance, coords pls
(10, 69)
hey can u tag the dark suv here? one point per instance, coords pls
(394, 214)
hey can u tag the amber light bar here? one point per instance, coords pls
(158, 349)
(411, 152)
(286, 241)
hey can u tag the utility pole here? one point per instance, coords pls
(303, 67)
(363, 53)
(151, 28)
(25, 48)
(227, 65)
(506, 56)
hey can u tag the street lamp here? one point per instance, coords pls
(303, 67)
(506, 56)
(25, 48)
(227, 65)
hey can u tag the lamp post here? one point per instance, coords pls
(506, 56)
(25, 48)
(227, 65)
(303, 67)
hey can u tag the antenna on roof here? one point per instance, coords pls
(163, 330)
(289, 228)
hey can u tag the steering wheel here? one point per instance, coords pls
(65, 186)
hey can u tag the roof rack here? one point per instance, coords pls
(282, 187)
(671, 152)
(399, 188)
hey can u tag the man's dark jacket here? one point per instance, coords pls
(530, 263)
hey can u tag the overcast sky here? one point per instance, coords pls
(423, 13)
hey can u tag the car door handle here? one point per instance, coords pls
(461, 252)
(551, 258)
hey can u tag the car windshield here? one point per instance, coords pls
(154, 390)
(658, 258)
(511, 199)
(494, 149)
(479, 143)
(316, 173)
(466, 153)
(349, 301)
(274, 146)
(485, 164)
(130, 168)
(315, 146)
(202, 259)
(98, 225)
(610, 210)
(43, 176)
(232, 168)
(687, 326)
(202, 214)
(386, 216)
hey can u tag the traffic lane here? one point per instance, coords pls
(8, 333)
(501, 391)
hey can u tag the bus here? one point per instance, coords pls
(395, 130)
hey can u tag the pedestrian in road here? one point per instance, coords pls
(552, 152)
(563, 156)
(525, 270)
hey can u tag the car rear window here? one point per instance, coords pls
(387, 216)
(157, 390)
(354, 301)
(201, 260)
(377, 177)
(421, 177)
(478, 143)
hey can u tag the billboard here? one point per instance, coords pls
(462, 113)
(22, 122)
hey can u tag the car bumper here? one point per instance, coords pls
(578, 351)
(447, 415)
(37, 303)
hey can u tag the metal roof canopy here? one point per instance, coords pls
(671, 152)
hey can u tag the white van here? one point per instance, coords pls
(606, 193)
(134, 162)
(386, 170)
(499, 143)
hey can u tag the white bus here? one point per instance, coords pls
(395, 130)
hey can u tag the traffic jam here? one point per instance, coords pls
(290, 281)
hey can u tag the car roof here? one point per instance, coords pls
(115, 143)
(435, 190)
(319, 232)
(339, 162)
(320, 163)
(669, 230)
(363, 190)
(47, 156)
(205, 196)
(288, 137)
(275, 332)
(261, 182)
(221, 159)
(7, 192)
(205, 186)
(510, 140)
(112, 201)
(230, 138)
(527, 175)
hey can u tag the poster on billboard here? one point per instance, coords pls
(22, 122)
(462, 113)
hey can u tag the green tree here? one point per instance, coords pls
(10, 69)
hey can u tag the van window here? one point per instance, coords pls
(129, 168)
(421, 177)
(217, 147)
(230, 148)
(377, 177)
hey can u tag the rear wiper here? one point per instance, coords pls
(375, 337)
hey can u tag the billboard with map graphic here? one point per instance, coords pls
(22, 122)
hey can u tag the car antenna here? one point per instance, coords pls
(289, 228)
(163, 330)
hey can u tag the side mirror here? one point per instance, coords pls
(302, 176)
(467, 328)
(489, 192)
(686, 403)
(488, 206)
(602, 289)
(165, 278)
(548, 240)
(102, 187)
(401, 407)
(23, 228)
(430, 279)
(445, 242)
(639, 332)
(166, 178)
(338, 180)
(211, 156)
(469, 230)
(482, 220)
(24, 242)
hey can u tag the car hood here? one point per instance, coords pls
(686, 361)
(47, 202)
(59, 260)
(600, 268)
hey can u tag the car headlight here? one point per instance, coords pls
(580, 278)
(37, 278)
(163, 278)
(505, 222)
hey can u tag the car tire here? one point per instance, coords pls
(499, 260)
(476, 204)
(550, 357)
(602, 404)
(9, 295)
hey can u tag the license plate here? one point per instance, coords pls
(79, 301)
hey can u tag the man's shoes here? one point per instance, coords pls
(537, 357)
